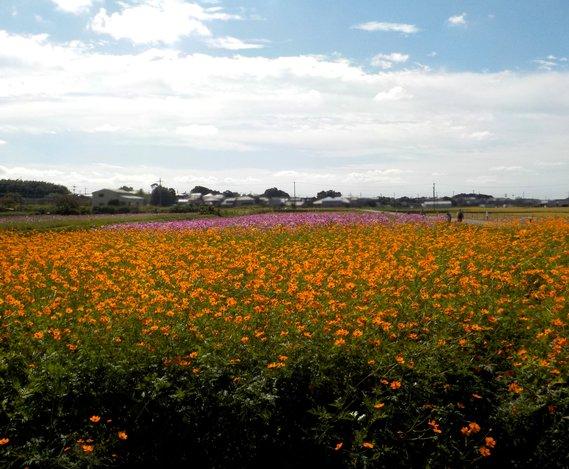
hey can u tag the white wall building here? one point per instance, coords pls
(106, 197)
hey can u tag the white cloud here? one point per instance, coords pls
(389, 27)
(313, 106)
(386, 61)
(158, 21)
(515, 168)
(74, 6)
(396, 93)
(550, 62)
(481, 135)
(3, 142)
(457, 20)
(232, 43)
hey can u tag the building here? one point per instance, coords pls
(332, 202)
(244, 200)
(213, 199)
(116, 198)
(437, 204)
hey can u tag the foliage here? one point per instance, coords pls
(126, 188)
(162, 196)
(31, 189)
(328, 193)
(67, 204)
(274, 192)
(203, 190)
(381, 345)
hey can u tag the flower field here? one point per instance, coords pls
(331, 340)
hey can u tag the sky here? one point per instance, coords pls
(363, 96)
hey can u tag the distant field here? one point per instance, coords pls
(479, 213)
(74, 222)
(22, 222)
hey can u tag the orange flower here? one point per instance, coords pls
(515, 388)
(87, 448)
(395, 384)
(472, 428)
(122, 435)
(94, 418)
(367, 444)
(484, 451)
(490, 442)
(434, 426)
(379, 405)
(4, 441)
(338, 446)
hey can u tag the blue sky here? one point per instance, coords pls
(364, 96)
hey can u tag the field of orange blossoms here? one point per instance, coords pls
(361, 344)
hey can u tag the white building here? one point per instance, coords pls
(213, 199)
(332, 202)
(437, 204)
(110, 197)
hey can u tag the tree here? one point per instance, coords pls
(30, 189)
(10, 200)
(204, 190)
(163, 196)
(328, 193)
(67, 204)
(126, 188)
(274, 192)
(229, 193)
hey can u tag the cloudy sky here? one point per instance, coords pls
(363, 96)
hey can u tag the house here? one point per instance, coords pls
(213, 199)
(244, 200)
(229, 202)
(118, 197)
(437, 204)
(295, 202)
(332, 202)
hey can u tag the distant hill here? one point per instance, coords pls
(30, 189)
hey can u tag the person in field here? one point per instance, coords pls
(460, 216)
(449, 217)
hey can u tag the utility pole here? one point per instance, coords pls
(434, 198)
(294, 195)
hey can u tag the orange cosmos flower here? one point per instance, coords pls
(484, 451)
(515, 388)
(395, 384)
(434, 426)
(87, 448)
(122, 436)
(367, 444)
(4, 441)
(490, 442)
(338, 446)
(95, 418)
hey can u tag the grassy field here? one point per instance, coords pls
(19, 222)
(360, 345)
